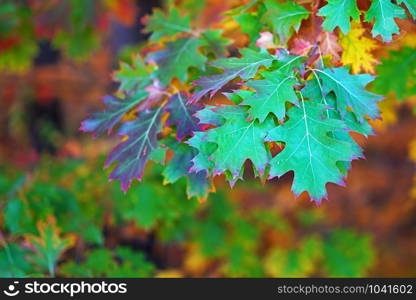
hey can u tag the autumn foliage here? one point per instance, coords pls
(295, 77)
(285, 101)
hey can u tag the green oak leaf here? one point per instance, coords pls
(238, 96)
(411, 6)
(352, 123)
(237, 139)
(250, 24)
(384, 12)
(244, 67)
(389, 81)
(167, 25)
(284, 17)
(215, 42)
(241, 8)
(309, 150)
(338, 13)
(275, 89)
(132, 76)
(350, 92)
(180, 163)
(201, 160)
(48, 245)
(271, 95)
(210, 116)
(198, 184)
(287, 63)
(177, 58)
(314, 91)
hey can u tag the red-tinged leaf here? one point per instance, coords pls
(244, 67)
(133, 153)
(329, 45)
(301, 47)
(199, 185)
(156, 93)
(181, 115)
(105, 121)
(266, 40)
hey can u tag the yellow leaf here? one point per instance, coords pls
(195, 262)
(171, 273)
(358, 50)
(412, 155)
(412, 150)
(388, 109)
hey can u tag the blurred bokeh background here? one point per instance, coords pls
(59, 215)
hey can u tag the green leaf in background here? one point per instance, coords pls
(167, 25)
(93, 234)
(14, 215)
(8, 17)
(338, 13)
(284, 17)
(131, 76)
(133, 264)
(177, 58)
(224, 234)
(77, 44)
(42, 199)
(387, 81)
(123, 262)
(13, 261)
(384, 12)
(48, 245)
(298, 262)
(343, 260)
(215, 42)
(250, 24)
